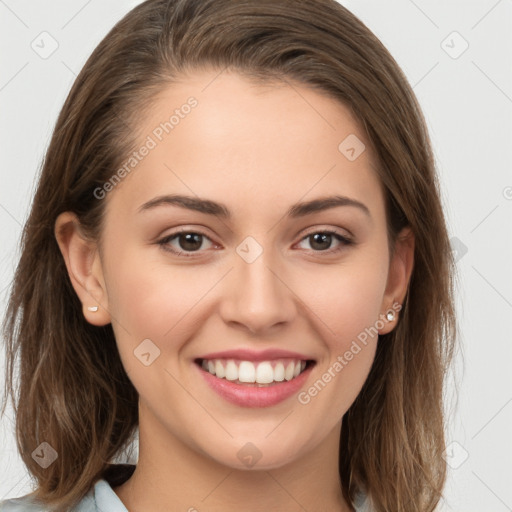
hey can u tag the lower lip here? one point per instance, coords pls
(254, 396)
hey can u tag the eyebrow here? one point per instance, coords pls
(218, 209)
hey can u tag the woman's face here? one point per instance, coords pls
(258, 284)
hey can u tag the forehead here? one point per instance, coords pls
(225, 137)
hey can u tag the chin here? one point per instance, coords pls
(255, 453)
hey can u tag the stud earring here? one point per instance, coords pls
(92, 308)
(390, 315)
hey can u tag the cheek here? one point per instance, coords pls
(346, 302)
(347, 307)
(154, 302)
(347, 299)
(151, 299)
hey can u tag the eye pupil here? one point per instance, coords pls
(321, 238)
(192, 241)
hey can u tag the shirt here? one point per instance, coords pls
(102, 498)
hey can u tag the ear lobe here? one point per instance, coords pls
(84, 268)
(400, 270)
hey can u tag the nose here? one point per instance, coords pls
(257, 297)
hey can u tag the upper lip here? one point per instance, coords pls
(253, 355)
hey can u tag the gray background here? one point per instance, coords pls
(467, 100)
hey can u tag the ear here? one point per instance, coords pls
(84, 268)
(400, 269)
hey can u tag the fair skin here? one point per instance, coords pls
(258, 149)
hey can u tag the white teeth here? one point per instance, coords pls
(279, 372)
(288, 373)
(219, 370)
(264, 372)
(247, 372)
(231, 370)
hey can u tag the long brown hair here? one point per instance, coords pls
(73, 391)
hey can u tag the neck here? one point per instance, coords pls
(171, 476)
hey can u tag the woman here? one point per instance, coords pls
(236, 250)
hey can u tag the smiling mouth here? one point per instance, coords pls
(256, 374)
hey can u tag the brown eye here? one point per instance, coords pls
(320, 241)
(190, 241)
(185, 242)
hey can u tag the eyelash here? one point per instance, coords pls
(345, 241)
